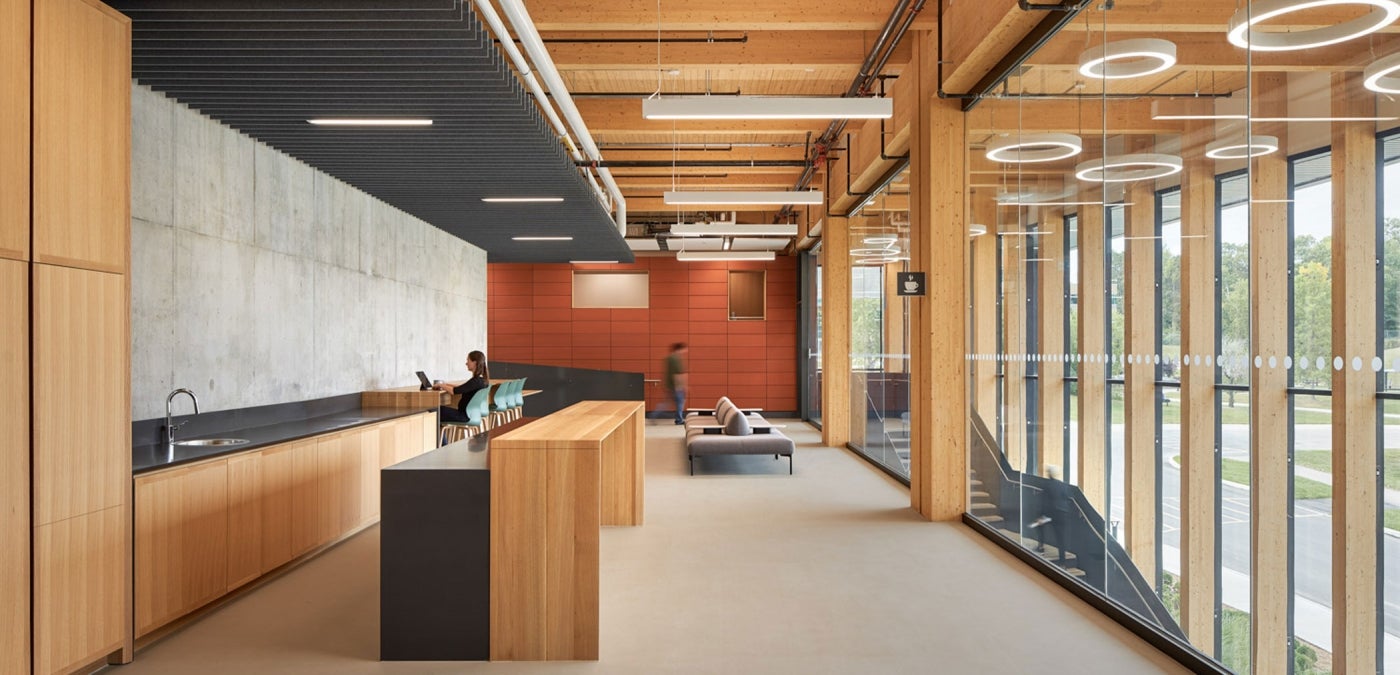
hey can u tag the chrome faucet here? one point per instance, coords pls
(170, 430)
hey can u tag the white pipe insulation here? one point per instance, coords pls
(534, 46)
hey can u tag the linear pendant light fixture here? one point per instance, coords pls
(694, 256)
(766, 108)
(1244, 25)
(732, 230)
(779, 197)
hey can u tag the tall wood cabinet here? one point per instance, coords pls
(65, 468)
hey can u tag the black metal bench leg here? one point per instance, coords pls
(789, 465)
(692, 465)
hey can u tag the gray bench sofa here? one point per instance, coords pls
(730, 430)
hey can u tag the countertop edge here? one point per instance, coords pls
(248, 447)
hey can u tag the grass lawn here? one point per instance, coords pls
(1321, 460)
(1171, 410)
(1235, 471)
(1392, 519)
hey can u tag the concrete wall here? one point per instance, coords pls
(257, 279)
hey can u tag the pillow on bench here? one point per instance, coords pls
(737, 424)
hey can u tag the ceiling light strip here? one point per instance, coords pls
(695, 256)
(368, 122)
(543, 238)
(521, 200)
(781, 197)
(766, 108)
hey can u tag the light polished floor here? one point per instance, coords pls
(740, 570)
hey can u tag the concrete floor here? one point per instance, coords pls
(739, 569)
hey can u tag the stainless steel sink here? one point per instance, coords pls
(213, 441)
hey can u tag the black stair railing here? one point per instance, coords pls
(1018, 500)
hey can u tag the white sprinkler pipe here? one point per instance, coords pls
(534, 46)
(522, 65)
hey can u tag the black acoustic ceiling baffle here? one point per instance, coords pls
(265, 67)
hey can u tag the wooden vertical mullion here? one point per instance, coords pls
(1093, 402)
(1051, 303)
(1139, 392)
(1199, 580)
(1013, 307)
(1268, 396)
(1355, 498)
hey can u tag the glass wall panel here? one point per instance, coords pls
(1232, 418)
(1389, 325)
(812, 334)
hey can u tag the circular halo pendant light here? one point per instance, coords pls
(1257, 146)
(1127, 58)
(1031, 148)
(1380, 76)
(976, 230)
(1126, 168)
(1244, 32)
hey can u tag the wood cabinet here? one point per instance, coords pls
(14, 143)
(206, 529)
(244, 518)
(82, 463)
(14, 466)
(181, 521)
(81, 135)
(81, 589)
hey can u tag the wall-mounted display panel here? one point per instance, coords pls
(611, 290)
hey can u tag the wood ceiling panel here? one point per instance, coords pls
(760, 49)
(824, 81)
(625, 115)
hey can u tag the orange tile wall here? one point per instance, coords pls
(530, 319)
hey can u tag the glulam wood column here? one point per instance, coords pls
(1093, 383)
(1268, 396)
(1141, 463)
(938, 384)
(836, 333)
(1355, 539)
(1199, 461)
(1050, 308)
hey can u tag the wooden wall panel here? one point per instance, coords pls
(747, 294)
(245, 518)
(14, 131)
(181, 518)
(1093, 392)
(1355, 497)
(81, 343)
(82, 135)
(14, 466)
(1268, 397)
(1198, 464)
(81, 589)
(1141, 463)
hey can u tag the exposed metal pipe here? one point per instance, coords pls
(534, 46)
(661, 163)
(895, 28)
(648, 40)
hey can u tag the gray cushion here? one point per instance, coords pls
(724, 410)
(753, 444)
(737, 424)
(719, 405)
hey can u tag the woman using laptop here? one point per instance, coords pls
(481, 378)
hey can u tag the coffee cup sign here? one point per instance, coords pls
(910, 283)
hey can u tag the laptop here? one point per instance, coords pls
(424, 383)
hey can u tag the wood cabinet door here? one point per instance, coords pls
(305, 490)
(82, 572)
(276, 466)
(14, 143)
(81, 343)
(369, 474)
(81, 135)
(245, 506)
(429, 441)
(14, 461)
(181, 518)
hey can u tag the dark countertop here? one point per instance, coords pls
(468, 455)
(153, 456)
